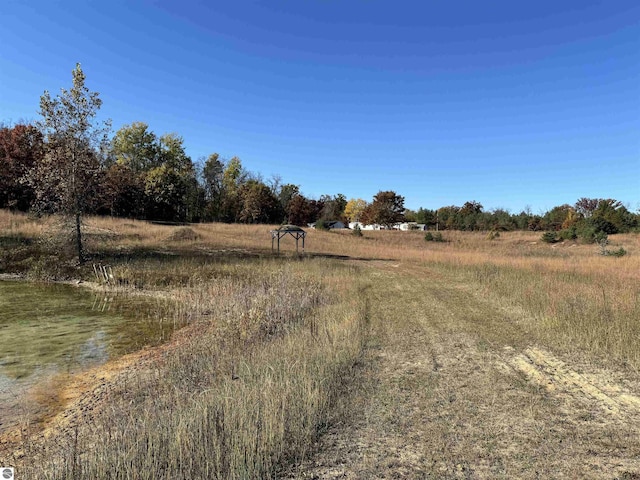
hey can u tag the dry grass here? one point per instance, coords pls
(574, 294)
(273, 339)
(18, 224)
(244, 392)
(459, 389)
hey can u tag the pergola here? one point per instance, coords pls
(293, 230)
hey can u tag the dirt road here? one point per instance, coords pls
(458, 388)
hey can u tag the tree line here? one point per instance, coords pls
(68, 162)
(586, 216)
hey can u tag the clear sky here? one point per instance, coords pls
(508, 103)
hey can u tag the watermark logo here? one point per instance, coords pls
(6, 473)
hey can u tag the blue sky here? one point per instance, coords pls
(511, 104)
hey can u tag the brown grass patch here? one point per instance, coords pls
(274, 341)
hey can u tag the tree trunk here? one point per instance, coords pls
(79, 238)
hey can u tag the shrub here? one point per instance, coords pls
(621, 252)
(433, 237)
(549, 237)
(568, 233)
(357, 231)
(602, 239)
(321, 225)
(586, 233)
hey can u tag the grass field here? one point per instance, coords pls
(381, 356)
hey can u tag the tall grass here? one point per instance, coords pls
(272, 339)
(567, 289)
(574, 310)
(247, 387)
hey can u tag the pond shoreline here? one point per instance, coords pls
(90, 285)
(85, 392)
(14, 277)
(65, 398)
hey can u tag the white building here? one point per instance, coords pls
(362, 226)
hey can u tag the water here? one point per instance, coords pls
(51, 329)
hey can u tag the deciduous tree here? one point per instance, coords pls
(66, 177)
(123, 192)
(258, 203)
(233, 177)
(166, 189)
(426, 216)
(300, 211)
(172, 153)
(21, 147)
(333, 207)
(286, 195)
(136, 147)
(354, 208)
(586, 206)
(212, 176)
(555, 217)
(386, 209)
(174, 158)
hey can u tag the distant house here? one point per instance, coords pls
(362, 226)
(375, 226)
(405, 226)
(334, 224)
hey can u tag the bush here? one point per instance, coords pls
(357, 231)
(621, 252)
(549, 237)
(433, 237)
(586, 233)
(321, 225)
(600, 224)
(568, 233)
(602, 239)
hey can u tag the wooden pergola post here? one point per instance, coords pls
(295, 232)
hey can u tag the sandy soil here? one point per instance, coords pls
(64, 401)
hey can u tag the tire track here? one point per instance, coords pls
(545, 370)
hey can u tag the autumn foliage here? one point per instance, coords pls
(59, 164)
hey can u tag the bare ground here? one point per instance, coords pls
(459, 389)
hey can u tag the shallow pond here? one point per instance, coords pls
(51, 329)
